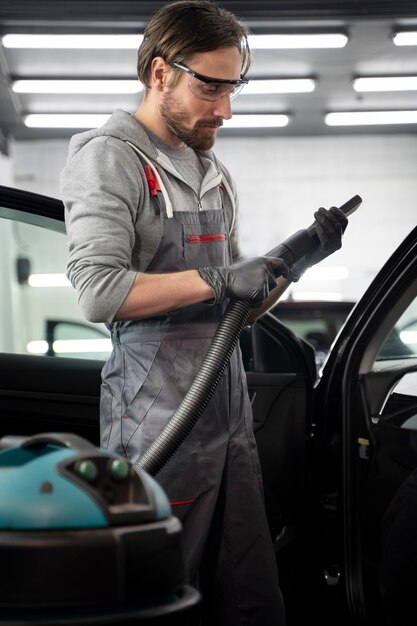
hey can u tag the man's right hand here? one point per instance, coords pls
(329, 226)
(249, 280)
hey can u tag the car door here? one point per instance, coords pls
(364, 459)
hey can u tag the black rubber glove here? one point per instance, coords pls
(330, 225)
(249, 280)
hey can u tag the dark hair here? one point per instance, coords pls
(183, 28)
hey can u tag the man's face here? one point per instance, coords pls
(192, 120)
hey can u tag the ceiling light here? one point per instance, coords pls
(317, 295)
(278, 85)
(326, 273)
(77, 86)
(364, 118)
(409, 337)
(92, 86)
(257, 121)
(406, 38)
(312, 40)
(385, 83)
(93, 120)
(277, 41)
(72, 41)
(70, 346)
(37, 347)
(66, 120)
(48, 280)
(73, 346)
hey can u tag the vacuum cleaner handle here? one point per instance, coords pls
(64, 440)
(351, 205)
(218, 354)
(305, 241)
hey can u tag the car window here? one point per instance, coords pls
(315, 322)
(402, 340)
(309, 329)
(39, 312)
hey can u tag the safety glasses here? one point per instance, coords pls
(212, 89)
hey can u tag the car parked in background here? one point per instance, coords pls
(316, 321)
(338, 452)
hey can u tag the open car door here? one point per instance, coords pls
(364, 487)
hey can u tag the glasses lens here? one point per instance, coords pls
(236, 90)
(210, 91)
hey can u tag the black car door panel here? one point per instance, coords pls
(280, 419)
(380, 384)
(46, 394)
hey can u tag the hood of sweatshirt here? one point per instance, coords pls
(121, 125)
(124, 126)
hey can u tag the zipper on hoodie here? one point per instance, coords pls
(168, 167)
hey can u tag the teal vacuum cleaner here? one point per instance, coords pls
(85, 538)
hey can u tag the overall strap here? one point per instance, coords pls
(229, 192)
(232, 201)
(168, 204)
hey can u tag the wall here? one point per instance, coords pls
(37, 165)
(283, 181)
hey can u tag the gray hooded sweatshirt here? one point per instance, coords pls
(112, 226)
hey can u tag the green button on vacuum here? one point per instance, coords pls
(119, 469)
(88, 470)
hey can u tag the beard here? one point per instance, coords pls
(176, 118)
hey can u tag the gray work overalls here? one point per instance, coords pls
(213, 481)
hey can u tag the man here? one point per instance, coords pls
(153, 251)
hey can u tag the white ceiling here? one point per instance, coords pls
(369, 52)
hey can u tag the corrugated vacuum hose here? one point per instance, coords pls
(218, 354)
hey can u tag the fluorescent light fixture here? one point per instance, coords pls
(91, 41)
(408, 337)
(385, 83)
(66, 120)
(37, 347)
(405, 38)
(93, 120)
(48, 280)
(72, 346)
(92, 86)
(312, 40)
(107, 42)
(278, 85)
(257, 121)
(317, 295)
(365, 118)
(326, 273)
(77, 86)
